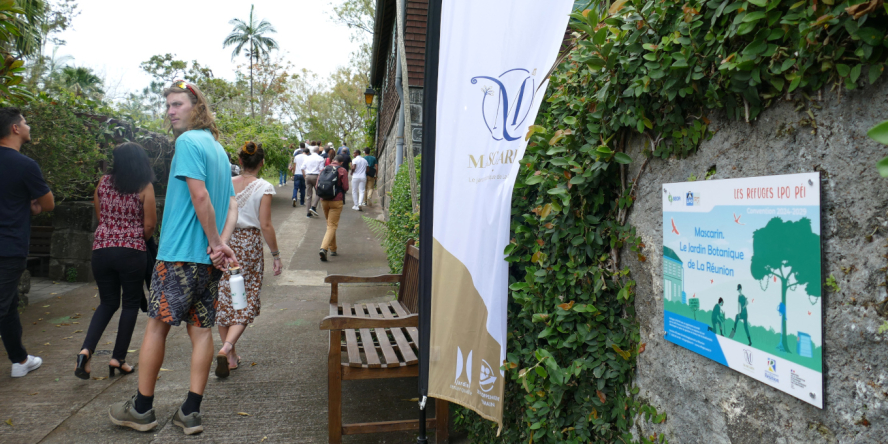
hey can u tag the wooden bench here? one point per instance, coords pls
(376, 341)
(39, 247)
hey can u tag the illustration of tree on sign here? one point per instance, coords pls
(790, 251)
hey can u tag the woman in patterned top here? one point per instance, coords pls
(253, 223)
(125, 209)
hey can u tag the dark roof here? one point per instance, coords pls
(668, 252)
(414, 40)
(382, 39)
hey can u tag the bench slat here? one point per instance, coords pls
(367, 340)
(403, 345)
(412, 331)
(351, 341)
(391, 359)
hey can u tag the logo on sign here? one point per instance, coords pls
(689, 199)
(771, 371)
(487, 378)
(507, 102)
(748, 359)
(463, 367)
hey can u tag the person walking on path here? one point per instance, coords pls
(24, 194)
(298, 176)
(371, 177)
(200, 204)
(330, 156)
(344, 150)
(253, 219)
(333, 206)
(127, 215)
(311, 169)
(282, 174)
(359, 180)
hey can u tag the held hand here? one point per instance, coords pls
(278, 267)
(223, 257)
(36, 208)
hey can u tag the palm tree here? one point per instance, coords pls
(81, 81)
(253, 35)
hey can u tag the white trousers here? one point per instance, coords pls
(358, 186)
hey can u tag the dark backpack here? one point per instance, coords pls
(371, 171)
(328, 182)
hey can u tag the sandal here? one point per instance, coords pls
(82, 360)
(222, 370)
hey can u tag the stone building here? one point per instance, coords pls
(384, 78)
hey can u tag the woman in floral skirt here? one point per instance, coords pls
(253, 223)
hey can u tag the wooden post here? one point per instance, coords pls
(442, 421)
(334, 387)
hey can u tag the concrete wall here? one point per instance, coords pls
(709, 403)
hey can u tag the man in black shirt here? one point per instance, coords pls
(24, 193)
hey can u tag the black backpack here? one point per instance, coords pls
(328, 182)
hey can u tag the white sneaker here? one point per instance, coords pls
(355, 208)
(19, 370)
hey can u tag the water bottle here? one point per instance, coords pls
(238, 291)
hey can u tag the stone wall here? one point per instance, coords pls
(71, 254)
(709, 403)
(387, 149)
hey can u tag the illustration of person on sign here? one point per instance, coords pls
(718, 318)
(742, 302)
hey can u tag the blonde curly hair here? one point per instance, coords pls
(201, 115)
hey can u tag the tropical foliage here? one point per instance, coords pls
(651, 70)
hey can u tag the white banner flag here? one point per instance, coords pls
(494, 55)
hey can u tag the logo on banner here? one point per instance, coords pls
(463, 365)
(487, 379)
(748, 359)
(771, 371)
(670, 198)
(507, 102)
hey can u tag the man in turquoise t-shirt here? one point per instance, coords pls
(200, 205)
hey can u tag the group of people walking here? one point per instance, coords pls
(213, 228)
(324, 175)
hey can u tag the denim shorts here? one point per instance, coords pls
(184, 291)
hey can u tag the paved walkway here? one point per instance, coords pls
(45, 288)
(278, 395)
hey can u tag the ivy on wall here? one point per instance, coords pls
(655, 69)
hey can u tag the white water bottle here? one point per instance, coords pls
(238, 292)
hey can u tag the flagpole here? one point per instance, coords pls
(427, 184)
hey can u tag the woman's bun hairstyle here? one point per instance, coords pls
(251, 155)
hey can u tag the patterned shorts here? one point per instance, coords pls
(184, 291)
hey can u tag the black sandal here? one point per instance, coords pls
(82, 360)
(122, 371)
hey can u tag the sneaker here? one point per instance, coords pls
(355, 208)
(190, 423)
(19, 370)
(333, 253)
(294, 203)
(308, 214)
(312, 210)
(125, 414)
(323, 254)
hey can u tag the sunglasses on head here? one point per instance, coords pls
(182, 85)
